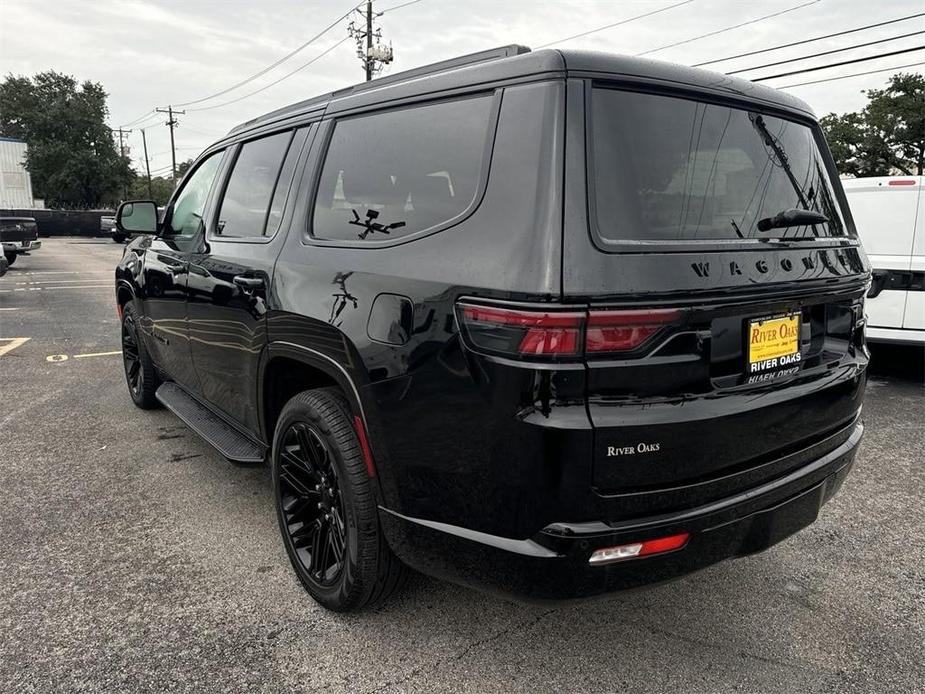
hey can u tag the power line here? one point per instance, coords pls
(838, 64)
(136, 121)
(267, 86)
(730, 28)
(615, 24)
(818, 55)
(398, 7)
(854, 74)
(273, 65)
(800, 43)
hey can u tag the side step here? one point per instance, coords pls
(226, 439)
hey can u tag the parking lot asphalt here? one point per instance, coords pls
(136, 559)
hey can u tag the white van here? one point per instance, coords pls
(889, 213)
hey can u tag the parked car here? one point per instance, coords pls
(108, 226)
(890, 216)
(548, 323)
(18, 236)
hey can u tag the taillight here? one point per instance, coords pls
(622, 331)
(515, 331)
(551, 334)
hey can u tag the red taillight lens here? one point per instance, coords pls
(639, 549)
(903, 182)
(566, 333)
(622, 331)
(515, 331)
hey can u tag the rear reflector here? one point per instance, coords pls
(557, 334)
(364, 446)
(902, 182)
(639, 549)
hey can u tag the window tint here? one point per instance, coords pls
(189, 205)
(666, 168)
(246, 203)
(394, 173)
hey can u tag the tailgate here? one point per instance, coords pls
(728, 396)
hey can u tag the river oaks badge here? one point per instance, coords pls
(773, 343)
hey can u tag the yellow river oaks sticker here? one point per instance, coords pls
(773, 342)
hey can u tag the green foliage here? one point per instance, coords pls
(888, 136)
(71, 157)
(161, 188)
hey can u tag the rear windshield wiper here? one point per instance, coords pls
(794, 217)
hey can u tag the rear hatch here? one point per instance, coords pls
(724, 284)
(18, 229)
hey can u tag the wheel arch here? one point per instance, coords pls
(287, 369)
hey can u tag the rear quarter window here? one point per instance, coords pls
(393, 174)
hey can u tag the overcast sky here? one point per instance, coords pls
(149, 53)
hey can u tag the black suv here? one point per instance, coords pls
(552, 323)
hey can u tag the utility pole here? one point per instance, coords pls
(372, 56)
(121, 143)
(144, 142)
(172, 123)
(122, 152)
(369, 39)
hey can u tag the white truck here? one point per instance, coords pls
(889, 213)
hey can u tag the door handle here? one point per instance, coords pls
(248, 284)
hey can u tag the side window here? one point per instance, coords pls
(249, 198)
(394, 173)
(186, 218)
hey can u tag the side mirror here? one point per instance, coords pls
(137, 217)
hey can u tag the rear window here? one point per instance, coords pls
(395, 173)
(671, 169)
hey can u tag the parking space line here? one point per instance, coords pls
(68, 272)
(96, 354)
(38, 289)
(14, 342)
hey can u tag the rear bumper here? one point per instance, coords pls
(553, 564)
(899, 336)
(21, 246)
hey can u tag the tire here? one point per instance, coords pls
(140, 374)
(10, 257)
(325, 500)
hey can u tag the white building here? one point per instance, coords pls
(15, 182)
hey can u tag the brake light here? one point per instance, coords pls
(622, 331)
(515, 331)
(639, 549)
(565, 333)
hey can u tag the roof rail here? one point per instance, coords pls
(444, 65)
(414, 73)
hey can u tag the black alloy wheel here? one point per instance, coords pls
(326, 504)
(312, 504)
(140, 375)
(130, 356)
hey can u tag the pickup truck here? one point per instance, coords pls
(18, 235)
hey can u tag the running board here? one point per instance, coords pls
(225, 438)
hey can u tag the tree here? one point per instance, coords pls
(161, 188)
(887, 136)
(71, 157)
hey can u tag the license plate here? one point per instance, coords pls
(773, 343)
